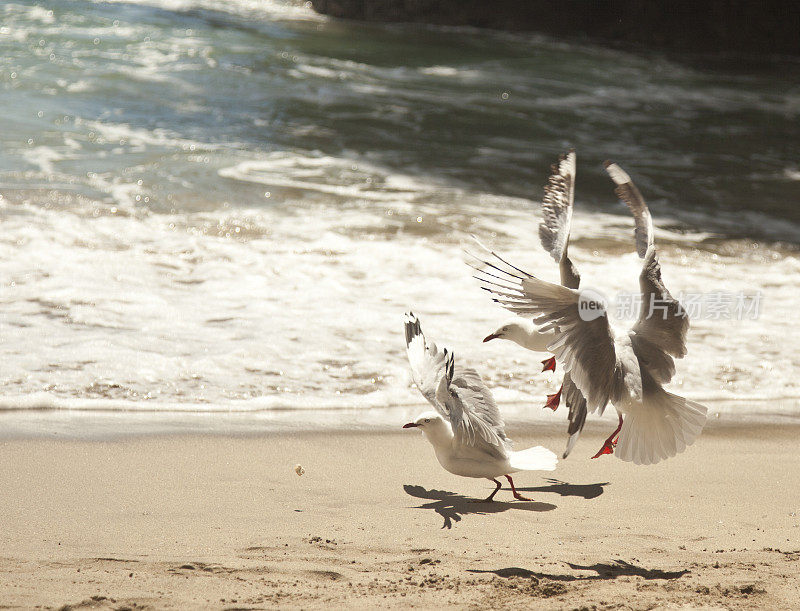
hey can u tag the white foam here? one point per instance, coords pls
(80, 86)
(325, 174)
(43, 157)
(35, 13)
(263, 9)
(297, 311)
(113, 133)
(451, 71)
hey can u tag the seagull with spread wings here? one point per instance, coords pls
(627, 369)
(466, 430)
(559, 195)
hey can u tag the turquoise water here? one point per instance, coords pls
(485, 111)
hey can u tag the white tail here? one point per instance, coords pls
(533, 459)
(662, 427)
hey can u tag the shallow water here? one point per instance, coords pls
(227, 206)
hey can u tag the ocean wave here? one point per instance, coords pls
(260, 9)
(215, 206)
(269, 308)
(341, 177)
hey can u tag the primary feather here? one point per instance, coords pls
(559, 195)
(456, 392)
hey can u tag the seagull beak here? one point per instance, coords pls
(490, 337)
(410, 425)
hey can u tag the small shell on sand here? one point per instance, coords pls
(299, 469)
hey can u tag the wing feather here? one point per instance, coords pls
(630, 194)
(576, 403)
(554, 231)
(458, 393)
(557, 206)
(426, 360)
(559, 195)
(660, 332)
(584, 347)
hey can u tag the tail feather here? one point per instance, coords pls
(533, 459)
(663, 427)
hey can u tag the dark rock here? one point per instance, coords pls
(766, 27)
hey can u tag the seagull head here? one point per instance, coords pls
(427, 422)
(515, 330)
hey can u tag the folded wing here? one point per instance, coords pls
(576, 403)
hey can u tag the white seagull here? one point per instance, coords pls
(559, 195)
(466, 430)
(627, 369)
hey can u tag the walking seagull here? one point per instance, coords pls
(559, 195)
(466, 430)
(626, 369)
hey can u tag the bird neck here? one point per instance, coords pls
(533, 339)
(440, 437)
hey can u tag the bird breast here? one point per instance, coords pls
(468, 461)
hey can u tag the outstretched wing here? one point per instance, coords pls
(630, 194)
(584, 347)
(554, 230)
(660, 332)
(458, 393)
(426, 360)
(559, 194)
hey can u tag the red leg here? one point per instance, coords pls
(554, 400)
(517, 495)
(608, 444)
(490, 498)
(549, 364)
(619, 428)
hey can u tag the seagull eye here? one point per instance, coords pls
(427, 420)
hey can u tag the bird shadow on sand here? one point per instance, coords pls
(586, 491)
(451, 506)
(603, 570)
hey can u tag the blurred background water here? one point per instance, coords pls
(213, 207)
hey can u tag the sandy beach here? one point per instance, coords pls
(215, 214)
(220, 522)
